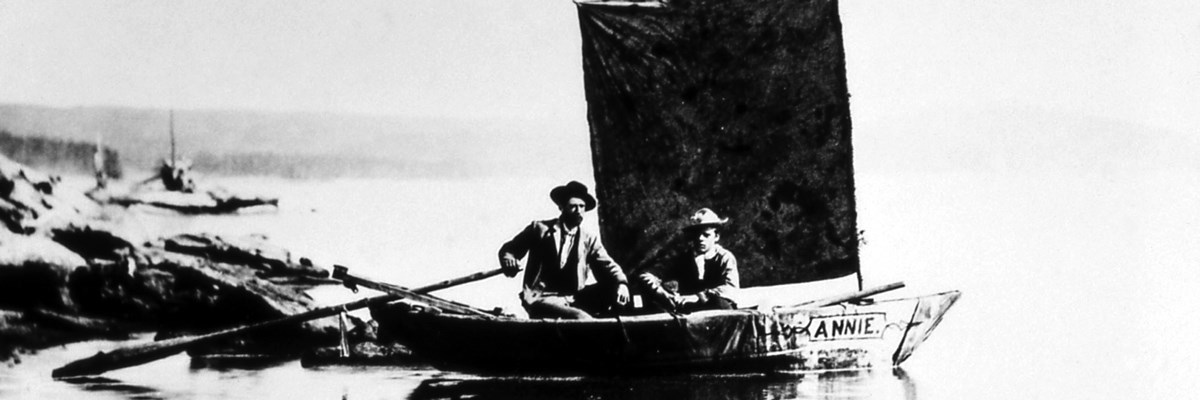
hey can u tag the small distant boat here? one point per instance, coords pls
(179, 191)
(201, 202)
(843, 336)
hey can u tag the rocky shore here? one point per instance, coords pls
(67, 274)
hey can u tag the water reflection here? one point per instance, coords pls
(100, 384)
(834, 385)
(236, 363)
(356, 383)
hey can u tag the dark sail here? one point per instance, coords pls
(736, 105)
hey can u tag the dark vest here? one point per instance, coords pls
(557, 278)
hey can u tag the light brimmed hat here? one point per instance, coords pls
(704, 218)
(575, 189)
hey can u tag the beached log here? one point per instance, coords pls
(93, 242)
(252, 250)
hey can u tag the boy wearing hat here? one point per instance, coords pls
(568, 272)
(706, 273)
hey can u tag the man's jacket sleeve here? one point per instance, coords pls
(520, 244)
(603, 265)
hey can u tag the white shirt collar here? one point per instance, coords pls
(563, 230)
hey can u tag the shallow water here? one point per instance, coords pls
(1074, 286)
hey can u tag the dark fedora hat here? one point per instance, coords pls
(563, 193)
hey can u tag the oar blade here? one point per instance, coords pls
(103, 362)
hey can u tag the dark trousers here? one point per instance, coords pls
(657, 304)
(596, 300)
(713, 303)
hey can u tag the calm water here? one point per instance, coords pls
(1074, 287)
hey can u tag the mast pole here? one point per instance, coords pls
(172, 138)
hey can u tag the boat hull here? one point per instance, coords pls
(840, 337)
(203, 202)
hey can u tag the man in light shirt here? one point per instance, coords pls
(706, 272)
(568, 272)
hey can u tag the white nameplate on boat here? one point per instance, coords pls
(846, 327)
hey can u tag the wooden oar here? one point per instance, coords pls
(143, 353)
(841, 298)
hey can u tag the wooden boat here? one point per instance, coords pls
(837, 337)
(740, 105)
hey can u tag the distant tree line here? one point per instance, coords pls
(56, 154)
(319, 166)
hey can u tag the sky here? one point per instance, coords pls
(412, 58)
(1124, 61)
(1136, 62)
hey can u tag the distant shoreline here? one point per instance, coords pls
(302, 145)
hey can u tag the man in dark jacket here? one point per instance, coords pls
(568, 272)
(706, 273)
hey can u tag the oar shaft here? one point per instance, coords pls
(458, 281)
(143, 353)
(841, 298)
(419, 294)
